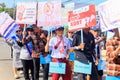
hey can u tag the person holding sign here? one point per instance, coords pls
(60, 46)
(85, 53)
(38, 43)
(26, 52)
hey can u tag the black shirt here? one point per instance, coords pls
(88, 39)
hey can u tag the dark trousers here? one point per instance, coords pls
(28, 64)
(36, 63)
(94, 74)
(45, 71)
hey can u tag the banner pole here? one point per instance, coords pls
(51, 32)
(24, 29)
(82, 36)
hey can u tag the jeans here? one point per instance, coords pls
(36, 63)
(28, 64)
(45, 71)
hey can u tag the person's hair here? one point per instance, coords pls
(45, 32)
(30, 29)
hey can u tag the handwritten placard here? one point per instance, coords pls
(57, 67)
(82, 67)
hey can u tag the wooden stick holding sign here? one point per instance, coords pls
(81, 46)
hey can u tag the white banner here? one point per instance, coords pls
(26, 12)
(49, 13)
(109, 14)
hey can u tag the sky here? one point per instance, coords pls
(12, 3)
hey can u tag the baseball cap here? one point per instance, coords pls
(96, 28)
(59, 27)
(19, 29)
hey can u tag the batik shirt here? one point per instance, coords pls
(112, 60)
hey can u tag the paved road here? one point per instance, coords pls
(6, 63)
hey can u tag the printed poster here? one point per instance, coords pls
(80, 67)
(26, 12)
(49, 13)
(82, 17)
(57, 67)
(109, 15)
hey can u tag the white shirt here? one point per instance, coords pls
(64, 44)
(24, 54)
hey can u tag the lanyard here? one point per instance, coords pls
(62, 48)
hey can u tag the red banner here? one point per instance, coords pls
(82, 17)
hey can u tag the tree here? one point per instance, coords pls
(2, 5)
(10, 11)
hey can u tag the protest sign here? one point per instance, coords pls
(112, 78)
(57, 67)
(71, 56)
(49, 13)
(109, 15)
(102, 65)
(26, 12)
(64, 16)
(82, 67)
(46, 59)
(82, 17)
(67, 7)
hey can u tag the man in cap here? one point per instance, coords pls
(99, 45)
(85, 52)
(60, 46)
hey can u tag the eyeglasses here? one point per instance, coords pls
(18, 31)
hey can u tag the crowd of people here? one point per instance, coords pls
(28, 44)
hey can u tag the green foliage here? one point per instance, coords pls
(10, 11)
(2, 5)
